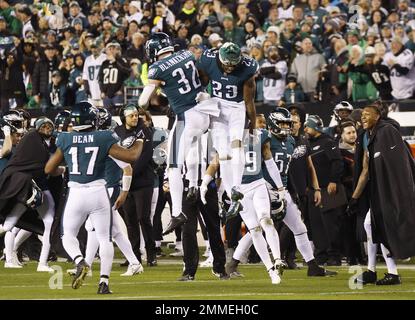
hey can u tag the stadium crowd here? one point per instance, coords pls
(57, 53)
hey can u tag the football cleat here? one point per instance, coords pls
(316, 271)
(12, 265)
(186, 277)
(236, 205)
(389, 279)
(177, 253)
(81, 271)
(208, 263)
(366, 277)
(159, 252)
(279, 266)
(221, 275)
(133, 269)
(103, 288)
(175, 222)
(44, 268)
(275, 278)
(72, 272)
(291, 264)
(232, 269)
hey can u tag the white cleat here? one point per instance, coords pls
(208, 263)
(133, 269)
(280, 266)
(15, 259)
(44, 268)
(72, 272)
(177, 253)
(275, 278)
(12, 265)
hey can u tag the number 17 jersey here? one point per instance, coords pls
(86, 153)
(180, 79)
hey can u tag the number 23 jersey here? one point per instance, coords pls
(227, 86)
(86, 153)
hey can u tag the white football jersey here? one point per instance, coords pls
(90, 73)
(274, 89)
(402, 85)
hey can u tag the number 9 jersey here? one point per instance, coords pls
(86, 153)
(180, 79)
(227, 86)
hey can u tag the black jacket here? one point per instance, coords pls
(327, 160)
(392, 191)
(11, 77)
(41, 76)
(143, 167)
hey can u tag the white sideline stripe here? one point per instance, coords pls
(268, 294)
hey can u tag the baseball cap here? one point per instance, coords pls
(370, 51)
(135, 4)
(386, 25)
(112, 44)
(135, 60)
(214, 37)
(73, 4)
(274, 29)
(56, 73)
(228, 17)
(25, 10)
(49, 46)
(291, 78)
(314, 122)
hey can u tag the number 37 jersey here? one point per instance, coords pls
(86, 154)
(227, 86)
(180, 79)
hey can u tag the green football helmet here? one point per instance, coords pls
(84, 116)
(158, 44)
(229, 56)
(276, 119)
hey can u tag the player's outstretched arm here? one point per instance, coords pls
(249, 98)
(148, 91)
(127, 155)
(272, 168)
(52, 166)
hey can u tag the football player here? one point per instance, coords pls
(231, 75)
(341, 112)
(85, 152)
(282, 149)
(256, 204)
(178, 77)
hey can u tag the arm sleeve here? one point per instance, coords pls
(274, 173)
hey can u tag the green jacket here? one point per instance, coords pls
(13, 24)
(363, 88)
(237, 35)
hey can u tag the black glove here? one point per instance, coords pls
(353, 207)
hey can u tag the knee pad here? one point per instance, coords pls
(266, 221)
(255, 231)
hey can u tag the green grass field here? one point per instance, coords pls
(161, 283)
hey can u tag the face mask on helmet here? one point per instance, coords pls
(14, 121)
(229, 56)
(280, 124)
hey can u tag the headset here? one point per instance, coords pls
(123, 109)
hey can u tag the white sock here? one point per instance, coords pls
(124, 244)
(179, 245)
(192, 165)
(103, 279)
(158, 244)
(71, 246)
(226, 175)
(371, 248)
(92, 246)
(238, 166)
(303, 245)
(44, 253)
(207, 244)
(261, 248)
(243, 246)
(106, 253)
(272, 237)
(390, 262)
(9, 245)
(176, 190)
(21, 237)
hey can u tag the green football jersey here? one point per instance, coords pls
(282, 151)
(227, 86)
(86, 154)
(180, 79)
(253, 158)
(113, 173)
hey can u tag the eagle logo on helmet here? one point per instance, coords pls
(158, 44)
(84, 116)
(14, 120)
(276, 119)
(343, 105)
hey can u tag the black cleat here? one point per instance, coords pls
(315, 270)
(232, 269)
(291, 264)
(366, 277)
(82, 269)
(389, 279)
(103, 288)
(175, 222)
(186, 277)
(192, 195)
(221, 275)
(152, 263)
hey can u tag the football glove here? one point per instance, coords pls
(353, 207)
(278, 205)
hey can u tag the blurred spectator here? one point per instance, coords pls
(306, 67)
(12, 88)
(293, 92)
(215, 40)
(75, 13)
(401, 64)
(338, 71)
(181, 42)
(112, 75)
(232, 33)
(285, 10)
(24, 14)
(362, 87)
(134, 11)
(136, 49)
(273, 70)
(76, 90)
(42, 76)
(57, 89)
(9, 13)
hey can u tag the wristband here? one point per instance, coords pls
(126, 183)
(317, 189)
